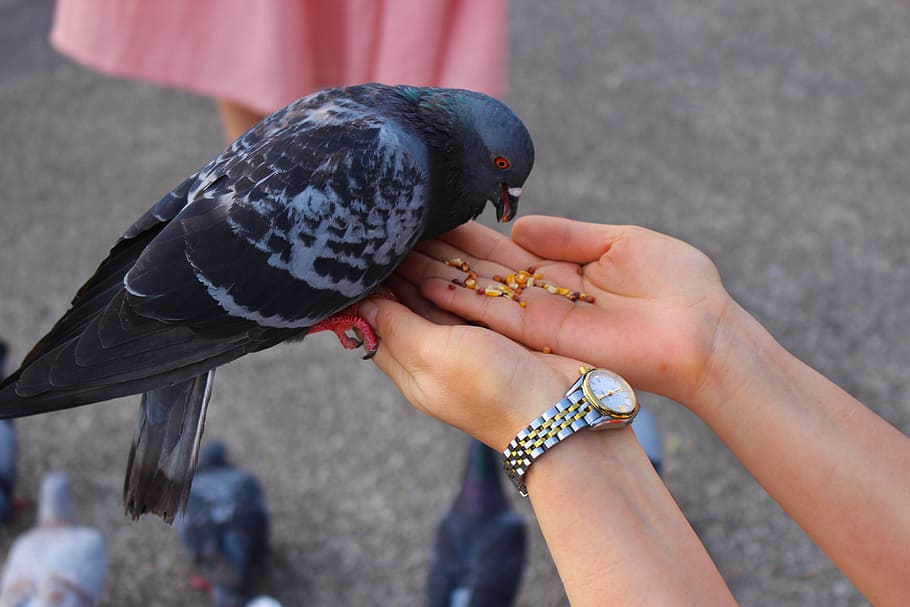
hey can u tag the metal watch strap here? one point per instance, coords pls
(560, 421)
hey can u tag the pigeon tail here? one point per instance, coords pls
(165, 446)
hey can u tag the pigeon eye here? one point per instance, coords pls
(501, 162)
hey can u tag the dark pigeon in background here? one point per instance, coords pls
(295, 222)
(645, 428)
(225, 527)
(57, 562)
(7, 455)
(263, 601)
(479, 553)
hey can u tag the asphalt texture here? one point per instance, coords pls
(774, 136)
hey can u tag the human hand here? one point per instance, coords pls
(467, 376)
(659, 302)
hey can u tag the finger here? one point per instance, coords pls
(483, 243)
(540, 324)
(419, 266)
(565, 239)
(409, 295)
(403, 335)
(444, 252)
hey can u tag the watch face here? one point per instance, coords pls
(610, 392)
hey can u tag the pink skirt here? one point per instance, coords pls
(266, 53)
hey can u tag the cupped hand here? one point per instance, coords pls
(658, 306)
(467, 376)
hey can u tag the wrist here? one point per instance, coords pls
(543, 392)
(598, 400)
(742, 354)
(590, 457)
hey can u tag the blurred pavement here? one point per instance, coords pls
(774, 136)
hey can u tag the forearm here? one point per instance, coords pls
(615, 533)
(834, 466)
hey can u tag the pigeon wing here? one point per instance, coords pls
(107, 280)
(292, 229)
(275, 235)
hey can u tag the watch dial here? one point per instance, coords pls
(612, 391)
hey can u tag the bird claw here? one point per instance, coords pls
(350, 342)
(349, 320)
(200, 583)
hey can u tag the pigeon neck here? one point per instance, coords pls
(481, 490)
(54, 506)
(440, 116)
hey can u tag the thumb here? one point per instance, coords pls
(391, 320)
(563, 239)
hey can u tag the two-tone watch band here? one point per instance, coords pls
(560, 421)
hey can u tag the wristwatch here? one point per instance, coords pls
(599, 399)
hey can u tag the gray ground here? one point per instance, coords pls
(773, 135)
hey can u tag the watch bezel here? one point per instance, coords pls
(610, 415)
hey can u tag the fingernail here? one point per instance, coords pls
(368, 310)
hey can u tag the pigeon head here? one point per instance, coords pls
(481, 491)
(500, 152)
(54, 505)
(485, 155)
(213, 455)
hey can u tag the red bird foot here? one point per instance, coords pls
(349, 320)
(200, 583)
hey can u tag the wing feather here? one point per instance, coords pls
(301, 217)
(287, 233)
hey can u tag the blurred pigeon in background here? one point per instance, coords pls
(56, 563)
(276, 238)
(645, 427)
(7, 454)
(263, 601)
(225, 527)
(479, 553)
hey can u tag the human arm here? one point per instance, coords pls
(671, 328)
(615, 533)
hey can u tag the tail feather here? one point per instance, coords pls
(165, 446)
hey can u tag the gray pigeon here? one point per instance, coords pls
(225, 527)
(276, 238)
(8, 451)
(646, 431)
(56, 563)
(479, 552)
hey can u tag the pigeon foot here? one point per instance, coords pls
(200, 583)
(349, 320)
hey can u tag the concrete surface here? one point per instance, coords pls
(775, 136)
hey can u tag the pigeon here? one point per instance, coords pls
(8, 503)
(225, 527)
(8, 449)
(645, 428)
(57, 562)
(278, 237)
(479, 552)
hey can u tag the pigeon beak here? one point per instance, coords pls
(508, 203)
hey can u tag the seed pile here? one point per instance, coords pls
(513, 284)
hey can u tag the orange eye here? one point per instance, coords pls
(501, 162)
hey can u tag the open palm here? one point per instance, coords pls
(658, 302)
